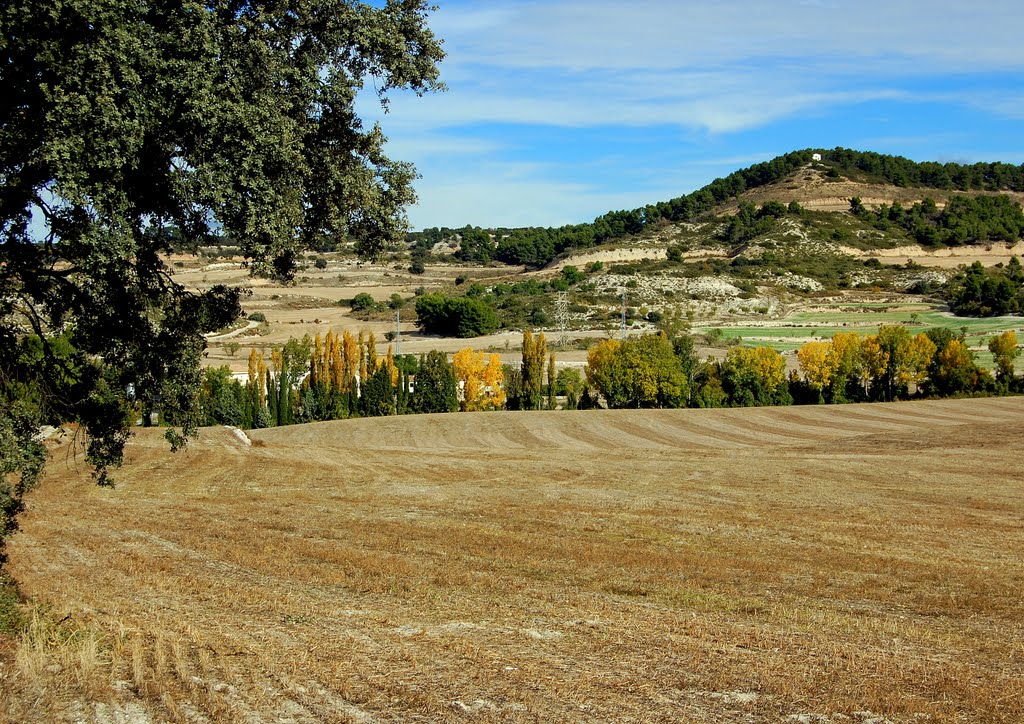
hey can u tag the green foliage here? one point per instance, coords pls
(475, 246)
(222, 398)
(639, 372)
(435, 386)
(531, 372)
(441, 314)
(133, 128)
(981, 292)
(572, 275)
(569, 384)
(964, 220)
(362, 302)
(320, 262)
(22, 459)
(377, 395)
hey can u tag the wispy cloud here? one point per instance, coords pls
(740, 80)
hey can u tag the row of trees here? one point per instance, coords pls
(654, 371)
(342, 376)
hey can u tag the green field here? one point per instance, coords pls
(861, 318)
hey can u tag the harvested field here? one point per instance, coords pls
(820, 563)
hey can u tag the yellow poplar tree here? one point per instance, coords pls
(316, 362)
(371, 353)
(494, 382)
(874, 360)
(600, 366)
(362, 359)
(469, 371)
(1004, 352)
(919, 356)
(551, 381)
(389, 363)
(818, 364)
(351, 360)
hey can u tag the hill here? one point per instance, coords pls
(794, 176)
(706, 566)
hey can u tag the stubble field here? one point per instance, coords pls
(811, 564)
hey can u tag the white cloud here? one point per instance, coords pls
(719, 67)
(714, 70)
(670, 34)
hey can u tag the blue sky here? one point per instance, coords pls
(560, 110)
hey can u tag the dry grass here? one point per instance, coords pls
(742, 565)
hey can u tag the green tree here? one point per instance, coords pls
(535, 350)
(434, 389)
(569, 383)
(437, 313)
(130, 127)
(223, 399)
(639, 372)
(377, 395)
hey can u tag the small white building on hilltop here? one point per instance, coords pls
(816, 157)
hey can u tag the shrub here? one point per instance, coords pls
(455, 316)
(257, 317)
(320, 262)
(572, 275)
(361, 302)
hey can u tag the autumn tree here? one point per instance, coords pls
(1004, 352)
(906, 360)
(954, 370)
(755, 377)
(601, 368)
(639, 372)
(873, 361)
(845, 385)
(818, 365)
(480, 380)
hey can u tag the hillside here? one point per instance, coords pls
(810, 173)
(707, 566)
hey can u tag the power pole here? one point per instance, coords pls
(562, 317)
(398, 331)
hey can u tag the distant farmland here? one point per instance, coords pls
(684, 565)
